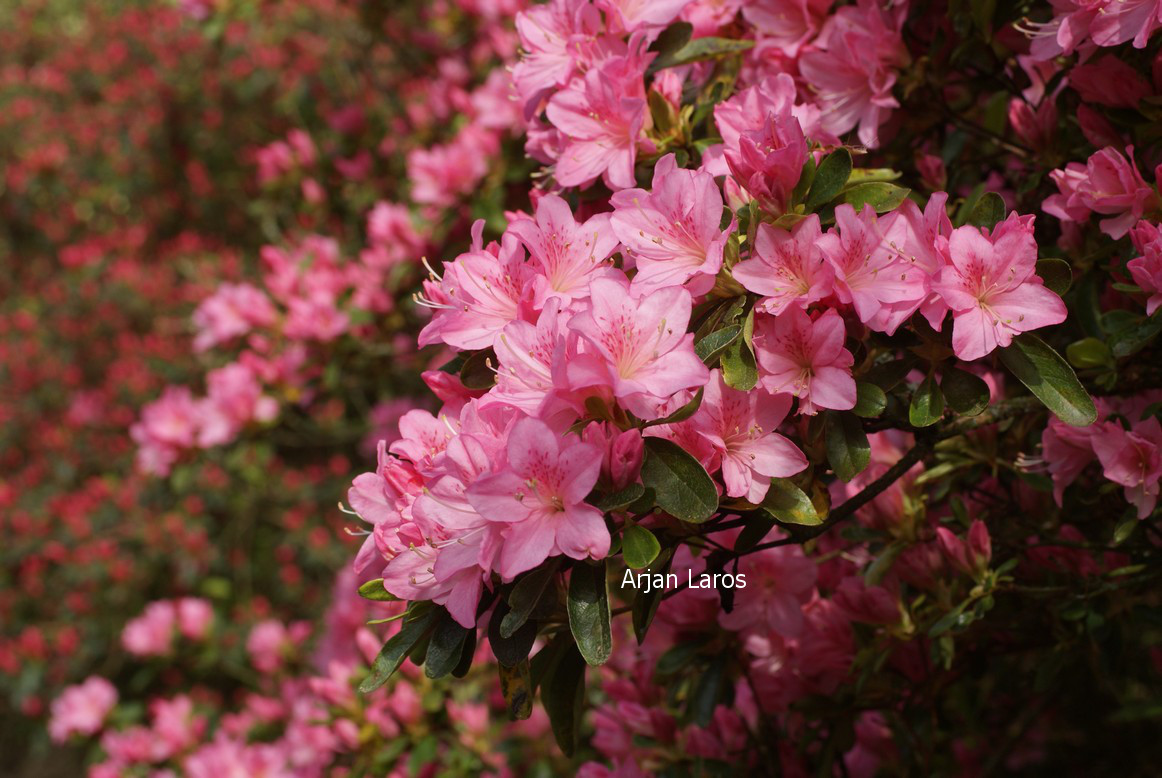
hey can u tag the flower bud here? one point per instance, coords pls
(625, 458)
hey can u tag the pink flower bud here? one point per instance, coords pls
(625, 458)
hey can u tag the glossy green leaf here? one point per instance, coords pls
(477, 371)
(1056, 274)
(870, 400)
(711, 347)
(681, 485)
(619, 500)
(1050, 378)
(988, 211)
(373, 590)
(880, 195)
(790, 504)
(739, 369)
(1088, 353)
(444, 647)
(966, 393)
(562, 684)
(512, 649)
(639, 547)
(848, 451)
(645, 604)
(588, 607)
(830, 179)
(700, 50)
(927, 406)
(525, 595)
(415, 627)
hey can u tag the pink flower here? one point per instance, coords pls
(168, 425)
(672, 232)
(1066, 450)
(390, 227)
(768, 160)
(175, 727)
(81, 709)
(637, 347)
(740, 426)
(884, 287)
(233, 310)
(1146, 270)
(194, 616)
(234, 398)
(441, 174)
(779, 581)
(1108, 184)
(993, 289)
(1132, 458)
(632, 15)
(787, 268)
(1120, 21)
(970, 558)
(707, 16)
(789, 23)
(552, 37)
(1035, 127)
(540, 495)
(564, 253)
(851, 68)
(151, 633)
(268, 645)
(805, 358)
(601, 118)
(1109, 81)
(479, 293)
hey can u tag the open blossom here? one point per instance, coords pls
(883, 285)
(480, 292)
(564, 253)
(806, 358)
(1066, 450)
(233, 310)
(672, 232)
(151, 633)
(1108, 184)
(740, 426)
(790, 23)
(601, 118)
(541, 497)
(632, 15)
(1132, 458)
(786, 268)
(783, 581)
(552, 37)
(993, 289)
(1146, 270)
(851, 67)
(82, 709)
(637, 348)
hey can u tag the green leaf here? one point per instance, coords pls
(1056, 274)
(806, 178)
(645, 604)
(739, 369)
(1050, 378)
(525, 595)
(1132, 335)
(711, 347)
(588, 606)
(662, 112)
(467, 653)
(699, 50)
(927, 406)
(373, 590)
(830, 179)
(517, 687)
(673, 38)
(515, 648)
(880, 195)
(790, 504)
(870, 400)
(966, 393)
(562, 683)
(888, 375)
(445, 646)
(1089, 352)
(477, 371)
(639, 547)
(683, 413)
(619, 500)
(879, 568)
(988, 211)
(415, 628)
(682, 486)
(707, 691)
(848, 451)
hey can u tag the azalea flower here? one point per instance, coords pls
(540, 495)
(806, 358)
(787, 268)
(672, 232)
(993, 289)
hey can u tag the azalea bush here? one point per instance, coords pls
(806, 420)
